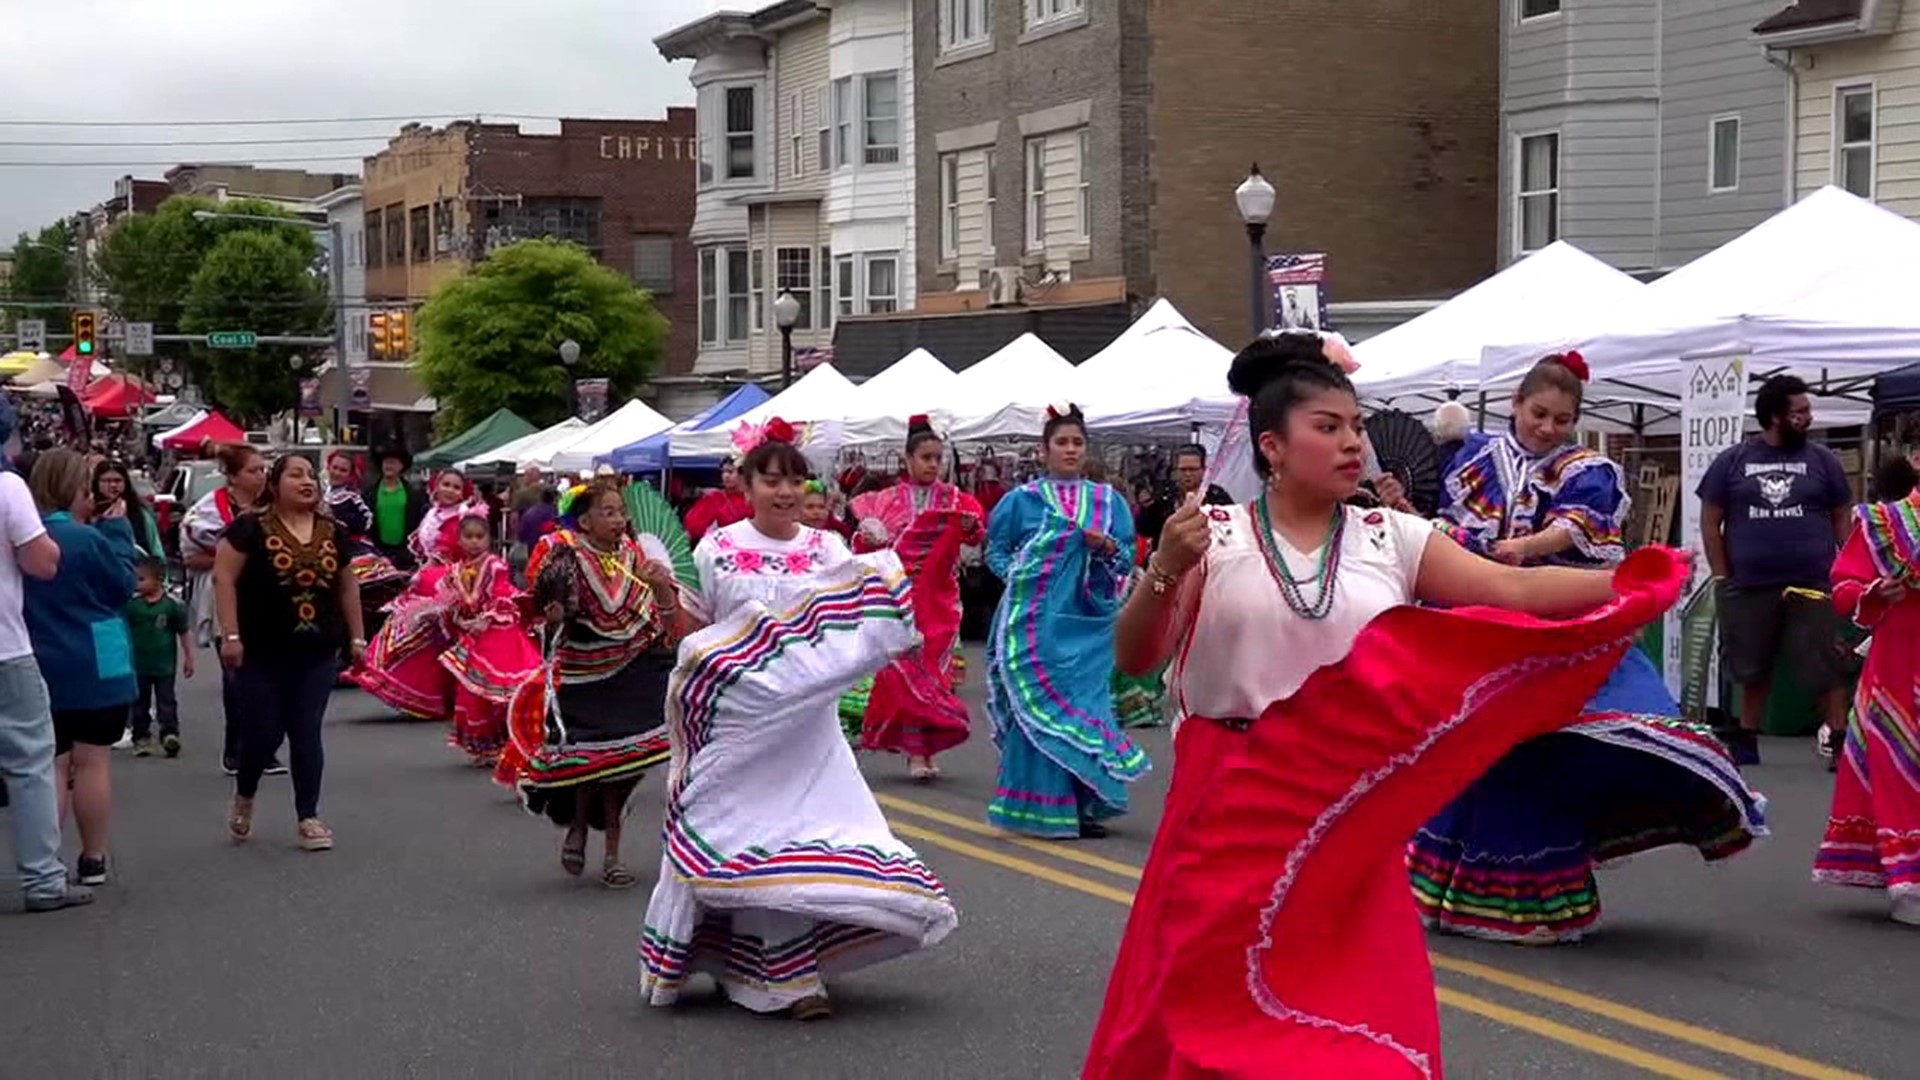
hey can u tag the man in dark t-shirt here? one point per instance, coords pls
(1189, 475)
(1773, 512)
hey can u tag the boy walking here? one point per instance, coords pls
(158, 625)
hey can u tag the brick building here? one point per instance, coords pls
(1092, 149)
(438, 200)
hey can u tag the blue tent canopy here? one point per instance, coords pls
(650, 454)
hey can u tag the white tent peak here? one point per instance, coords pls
(918, 369)
(1534, 297)
(537, 448)
(1007, 393)
(1827, 220)
(629, 423)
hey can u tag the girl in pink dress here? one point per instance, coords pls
(437, 539)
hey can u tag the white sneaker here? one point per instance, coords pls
(1906, 909)
(126, 740)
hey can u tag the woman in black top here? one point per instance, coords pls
(280, 576)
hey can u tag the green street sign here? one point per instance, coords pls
(232, 339)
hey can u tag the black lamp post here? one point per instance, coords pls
(786, 312)
(569, 356)
(1254, 197)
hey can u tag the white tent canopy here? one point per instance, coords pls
(1533, 297)
(820, 395)
(538, 447)
(628, 424)
(1007, 394)
(1797, 290)
(878, 409)
(1147, 380)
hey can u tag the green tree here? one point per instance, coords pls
(42, 270)
(490, 339)
(262, 280)
(148, 266)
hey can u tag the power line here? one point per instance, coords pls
(299, 140)
(260, 122)
(171, 162)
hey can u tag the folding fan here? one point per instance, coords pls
(650, 512)
(1404, 447)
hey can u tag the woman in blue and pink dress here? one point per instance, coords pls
(1064, 546)
(1512, 859)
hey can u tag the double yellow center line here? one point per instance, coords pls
(1716, 1042)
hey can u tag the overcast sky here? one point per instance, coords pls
(174, 60)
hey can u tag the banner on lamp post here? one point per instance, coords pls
(1713, 413)
(309, 397)
(1297, 287)
(590, 398)
(360, 392)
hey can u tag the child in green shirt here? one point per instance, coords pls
(158, 626)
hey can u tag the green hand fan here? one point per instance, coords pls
(650, 512)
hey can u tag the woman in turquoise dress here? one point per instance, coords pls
(1064, 546)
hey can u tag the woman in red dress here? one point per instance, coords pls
(1327, 718)
(912, 708)
(721, 507)
(1873, 832)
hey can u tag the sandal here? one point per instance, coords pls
(811, 1007)
(240, 819)
(920, 773)
(315, 836)
(573, 859)
(616, 876)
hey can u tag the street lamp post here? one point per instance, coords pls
(334, 385)
(786, 312)
(1254, 197)
(569, 356)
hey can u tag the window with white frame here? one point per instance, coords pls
(846, 285)
(1723, 154)
(793, 273)
(758, 276)
(825, 120)
(842, 121)
(797, 140)
(742, 120)
(964, 23)
(1036, 194)
(703, 125)
(823, 306)
(883, 284)
(1043, 12)
(949, 206)
(1535, 9)
(1853, 139)
(1537, 195)
(880, 120)
(709, 296)
(1085, 193)
(993, 196)
(737, 299)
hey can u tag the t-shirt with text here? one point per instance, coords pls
(1779, 504)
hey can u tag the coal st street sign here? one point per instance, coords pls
(232, 339)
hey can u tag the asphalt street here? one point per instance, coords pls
(441, 939)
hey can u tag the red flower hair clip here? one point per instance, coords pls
(919, 420)
(1577, 364)
(778, 430)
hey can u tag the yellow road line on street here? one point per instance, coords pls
(1059, 850)
(1704, 1038)
(1047, 874)
(1595, 1044)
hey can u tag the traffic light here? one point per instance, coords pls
(83, 329)
(378, 335)
(397, 324)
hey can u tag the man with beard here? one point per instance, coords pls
(1773, 512)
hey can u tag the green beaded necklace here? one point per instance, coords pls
(1292, 589)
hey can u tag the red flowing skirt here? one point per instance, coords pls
(1273, 923)
(912, 708)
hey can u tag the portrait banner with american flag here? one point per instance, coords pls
(1297, 286)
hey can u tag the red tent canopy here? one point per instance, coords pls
(116, 396)
(212, 426)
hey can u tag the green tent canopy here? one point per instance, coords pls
(492, 433)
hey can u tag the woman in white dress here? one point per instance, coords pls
(778, 869)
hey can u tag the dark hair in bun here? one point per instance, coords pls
(1073, 417)
(1276, 373)
(919, 430)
